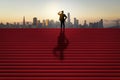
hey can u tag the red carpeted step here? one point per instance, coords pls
(50, 56)
(54, 61)
(59, 78)
(60, 71)
(28, 54)
(72, 67)
(60, 74)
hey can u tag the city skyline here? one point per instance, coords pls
(46, 23)
(90, 10)
(75, 22)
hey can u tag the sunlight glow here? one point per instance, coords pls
(14, 10)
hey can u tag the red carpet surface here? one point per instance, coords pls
(49, 54)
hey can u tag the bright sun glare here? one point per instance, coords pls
(52, 10)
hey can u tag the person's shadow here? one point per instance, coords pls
(62, 44)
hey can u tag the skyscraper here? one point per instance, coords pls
(69, 21)
(68, 17)
(24, 20)
(43, 23)
(76, 23)
(85, 24)
(39, 24)
(100, 25)
(47, 22)
(35, 21)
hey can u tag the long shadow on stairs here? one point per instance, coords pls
(62, 44)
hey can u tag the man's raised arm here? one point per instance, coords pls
(59, 13)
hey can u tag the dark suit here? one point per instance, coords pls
(62, 19)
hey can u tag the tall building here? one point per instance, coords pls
(68, 17)
(85, 24)
(43, 23)
(39, 24)
(76, 23)
(35, 21)
(47, 23)
(24, 21)
(68, 21)
(100, 25)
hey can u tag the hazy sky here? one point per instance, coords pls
(14, 10)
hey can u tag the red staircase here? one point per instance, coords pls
(48, 54)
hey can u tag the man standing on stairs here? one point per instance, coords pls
(62, 19)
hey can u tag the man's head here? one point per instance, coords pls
(62, 12)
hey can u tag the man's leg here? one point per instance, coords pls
(63, 26)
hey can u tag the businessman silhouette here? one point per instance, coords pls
(62, 19)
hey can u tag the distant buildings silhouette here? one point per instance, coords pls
(56, 24)
(97, 24)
